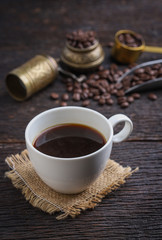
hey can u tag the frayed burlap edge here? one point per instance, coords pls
(49, 207)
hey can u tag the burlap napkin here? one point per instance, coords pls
(40, 195)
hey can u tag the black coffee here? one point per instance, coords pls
(69, 140)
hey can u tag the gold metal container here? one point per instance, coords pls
(83, 59)
(125, 54)
(31, 77)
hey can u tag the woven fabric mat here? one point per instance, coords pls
(24, 177)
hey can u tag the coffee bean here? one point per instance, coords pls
(102, 89)
(114, 91)
(153, 73)
(77, 85)
(122, 99)
(92, 83)
(96, 76)
(106, 95)
(86, 90)
(104, 74)
(84, 95)
(118, 85)
(130, 99)
(63, 104)
(70, 88)
(120, 93)
(126, 70)
(121, 38)
(65, 97)
(135, 78)
(90, 95)
(109, 101)
(85, 103)
(84, 85)
(115, 77)
(120, 73)
(131, 40)
(100, 68)
(113, 66)
(139, 70)
(103, 83)
(156, 66)
(102, 101)
(124, 104)
(54, 96)
(95, 91)
(160, 71)
(100, 85)
(152, 96)
(77, 90)
(76, 97)
(81, 39)
(96, 97)
(136, 95)
(80, 45)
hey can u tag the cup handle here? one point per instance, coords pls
(127, 129)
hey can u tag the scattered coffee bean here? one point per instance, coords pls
(152, 96)
(114, 91)
(84, 95)
(124, 105)
(100, 68)
(76, 97)
(102, 86)
(136, 95)
(54, 96)
(120, 93)
(96, 97)
(85, 103)
(119, 85)
(109, 101)
(63, 104)
(69, 88)
(121, 100)
(65, 97)
(102, 101)
(130, 99)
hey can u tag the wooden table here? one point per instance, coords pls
(134, 211)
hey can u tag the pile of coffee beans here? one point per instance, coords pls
(143, 74)
(104, 88)
(131, 40)
(81, 39)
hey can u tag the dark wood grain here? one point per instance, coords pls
(28, 28)
(134, 209)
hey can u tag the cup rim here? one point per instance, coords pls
(72, 158)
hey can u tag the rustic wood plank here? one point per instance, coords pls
(135, 209)
(28, 28)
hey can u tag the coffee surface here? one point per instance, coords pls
(69, 140)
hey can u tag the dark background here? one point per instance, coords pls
(28, 28)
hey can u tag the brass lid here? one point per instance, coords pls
(85, 58)
(31, 77)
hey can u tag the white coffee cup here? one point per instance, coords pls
(73, 175)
